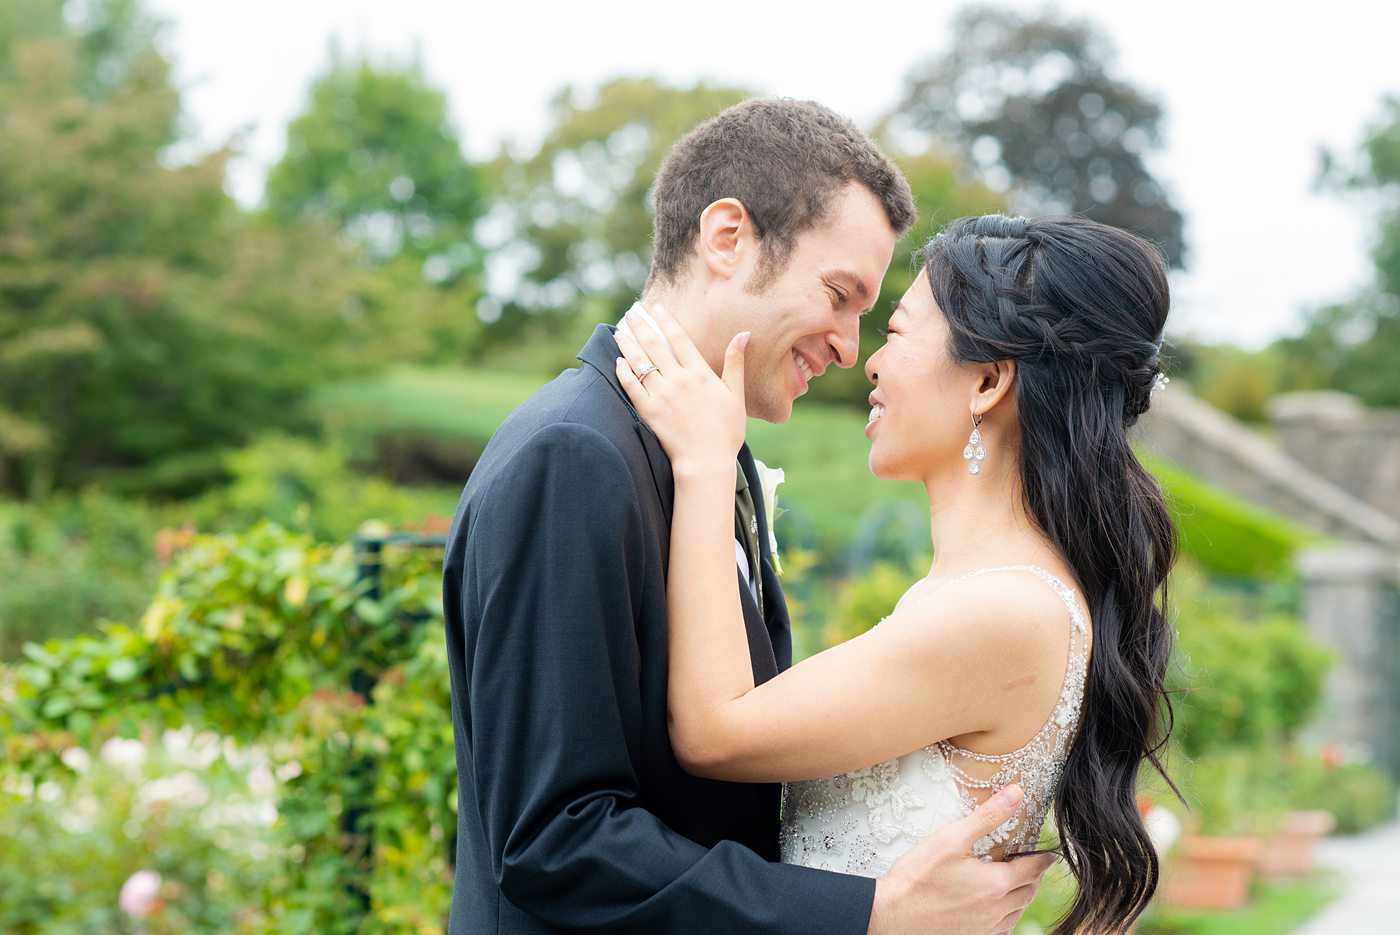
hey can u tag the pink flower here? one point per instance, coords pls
(139, 893)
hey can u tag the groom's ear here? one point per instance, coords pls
(726, 241)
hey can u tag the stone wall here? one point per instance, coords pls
(1336, 470)
(1350, 603)
(1335, 436)
(1228, 455)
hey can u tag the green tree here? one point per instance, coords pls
(375, 155)
(1354, 346)
(1032, 102)
(22, 21)
(143, 318)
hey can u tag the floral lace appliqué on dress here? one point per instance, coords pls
(862, 821)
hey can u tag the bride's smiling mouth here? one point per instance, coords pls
(877, 412)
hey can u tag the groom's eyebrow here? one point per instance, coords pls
(852, 281)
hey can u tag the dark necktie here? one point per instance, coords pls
(746, 528)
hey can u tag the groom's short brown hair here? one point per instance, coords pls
(784, 160)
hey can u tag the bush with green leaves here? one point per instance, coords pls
(272, 641)
(71, 560)
(192, 812)
(1359, 794)
(1245, 680)
(1243, 677)
(74, 560)
(310, 486)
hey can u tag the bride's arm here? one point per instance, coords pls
(917, 678)
(913, 680)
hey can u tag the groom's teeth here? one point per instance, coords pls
(802, 365)
(875, 413)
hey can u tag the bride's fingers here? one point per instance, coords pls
(634, 388)
(684, 348)
(649, 338)
(636, 357)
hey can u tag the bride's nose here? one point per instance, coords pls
(871, 373)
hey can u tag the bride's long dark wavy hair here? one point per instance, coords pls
(1080, 307)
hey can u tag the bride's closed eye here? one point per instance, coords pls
(886, 331)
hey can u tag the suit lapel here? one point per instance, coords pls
(601, 353)
(770, 644)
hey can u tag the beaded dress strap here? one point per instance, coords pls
(1071, 688)
(1065, 592)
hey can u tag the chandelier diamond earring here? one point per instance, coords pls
(975, 452)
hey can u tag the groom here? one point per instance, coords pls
(776, 217)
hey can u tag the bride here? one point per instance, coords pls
(1034, 650)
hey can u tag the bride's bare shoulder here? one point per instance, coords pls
(1009, 612)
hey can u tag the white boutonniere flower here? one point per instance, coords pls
(769, 479)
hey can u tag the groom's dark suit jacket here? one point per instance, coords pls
(573, 813)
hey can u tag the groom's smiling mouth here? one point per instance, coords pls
(805, 370)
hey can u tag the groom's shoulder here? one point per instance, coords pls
(578, 414)
(578, 401)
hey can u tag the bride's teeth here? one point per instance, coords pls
(875, 413)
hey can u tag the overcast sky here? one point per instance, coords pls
(1251, 95)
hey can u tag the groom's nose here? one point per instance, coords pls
(844, 343)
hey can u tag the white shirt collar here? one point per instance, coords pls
(645, 316)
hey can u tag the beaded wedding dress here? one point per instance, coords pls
(860, 822)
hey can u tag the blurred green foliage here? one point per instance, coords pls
(1227, 536)
(1245, 681)
(375, 154)
(74, 560)
(1233, 380)
(1032, 104)
(1274, 908)
(257, 638)
(1247, 676)
(70, 561)
(142, 316)
(1359, 795)
(177, 806)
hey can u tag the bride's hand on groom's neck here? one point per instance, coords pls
(699, 418)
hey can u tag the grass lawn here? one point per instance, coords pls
(1276, 909)
(829, 488)
(455, 404)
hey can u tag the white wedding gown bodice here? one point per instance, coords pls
(860, 822)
